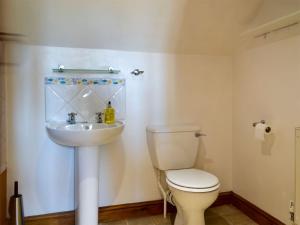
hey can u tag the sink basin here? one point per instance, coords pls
(83, 134)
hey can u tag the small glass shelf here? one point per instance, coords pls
(88, 71)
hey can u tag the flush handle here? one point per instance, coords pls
(198, 134)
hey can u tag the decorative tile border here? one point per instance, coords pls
(82, 81)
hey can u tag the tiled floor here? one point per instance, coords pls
(222, 215)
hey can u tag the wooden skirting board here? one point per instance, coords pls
(124, 211)
(255, 213)
(3, 197)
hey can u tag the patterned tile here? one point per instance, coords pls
(238, 219)
(82, 81)
(84, 96)
(151, 220)
(121, 222)
(216, 220)
(224, 210)
(87, 104)
(229, 215)
(222, 215)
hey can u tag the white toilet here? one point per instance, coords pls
(173, 150)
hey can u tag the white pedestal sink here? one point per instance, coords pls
(86, 138)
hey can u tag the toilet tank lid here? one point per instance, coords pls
(172, 128)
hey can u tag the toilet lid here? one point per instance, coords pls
(192, 180)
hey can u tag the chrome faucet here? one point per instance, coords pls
(99, 117)
(71, 118)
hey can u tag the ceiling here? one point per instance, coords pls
(173, 26)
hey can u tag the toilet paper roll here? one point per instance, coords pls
(260, 131)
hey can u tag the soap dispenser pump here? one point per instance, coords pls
(109, 114)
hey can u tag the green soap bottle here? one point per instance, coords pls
(109, 114)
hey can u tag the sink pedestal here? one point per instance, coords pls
(86, 185)
(87, 137)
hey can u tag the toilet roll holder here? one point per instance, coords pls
(268, 129)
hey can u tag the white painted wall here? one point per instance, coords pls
(269, 10)
(174, 89)
(2, 111)
(266, 86)
(297, 175)
(181, 26)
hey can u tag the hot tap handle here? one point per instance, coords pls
(99, 117)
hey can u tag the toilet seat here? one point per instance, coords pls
(192, 180)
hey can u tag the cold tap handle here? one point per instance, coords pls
(99, 117)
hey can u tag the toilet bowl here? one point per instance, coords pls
(173, 150)
(193, 192)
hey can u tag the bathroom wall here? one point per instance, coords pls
(2, 139)
(182, 26)
(173, 89)
(2, 110)
(269, 10)
(266, 86)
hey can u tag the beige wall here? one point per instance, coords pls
(181, 26)
(270, 10)
(266, 86)
(2, 111)
(174, 89)
(297, 160)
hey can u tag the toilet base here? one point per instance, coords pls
(194, 218)
(192, 205)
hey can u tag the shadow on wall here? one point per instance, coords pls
(184, 26)
(2, 97)
(200, 88)
(2, 112)
(202, 161)
(2, 16)
(111, 157)
(267, 145)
